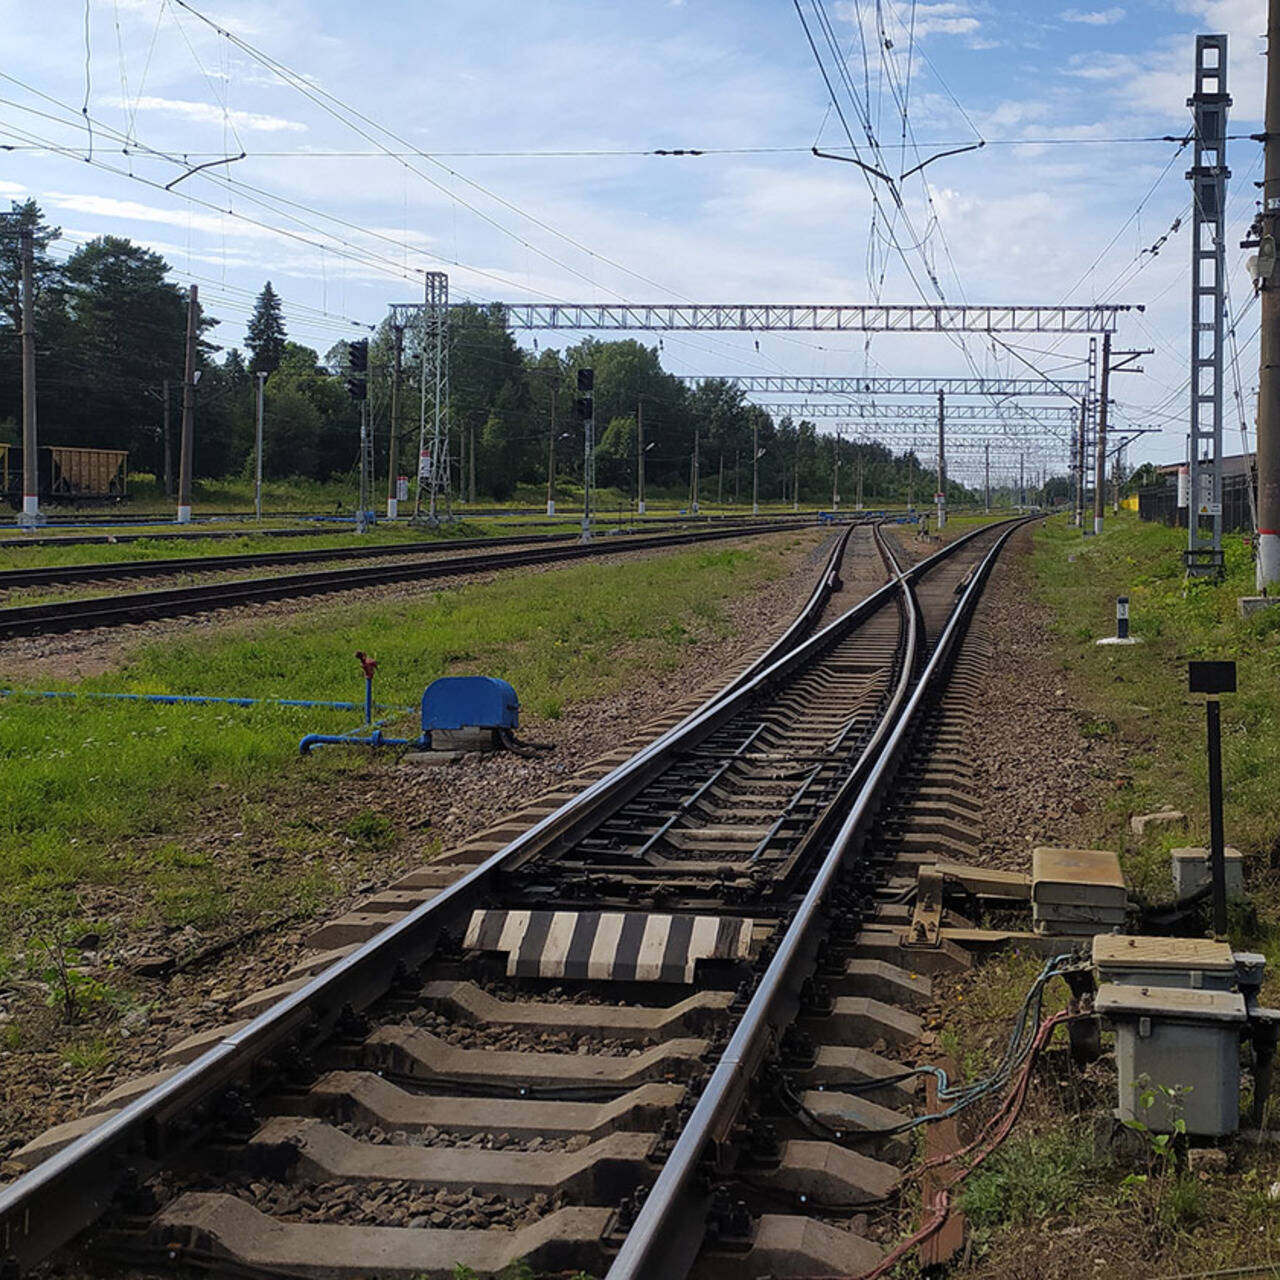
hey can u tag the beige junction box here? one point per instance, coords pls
(1076, 891)
(1198, 963)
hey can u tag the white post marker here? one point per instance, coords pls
(1122, 635)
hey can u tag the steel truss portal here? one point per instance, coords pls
(785, 385)
(1040, 415)
(835, 318)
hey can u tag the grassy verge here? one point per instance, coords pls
(1063, 1197)
(96, 798)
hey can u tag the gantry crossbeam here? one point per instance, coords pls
(1043, 415)
(788, 384)
(833, 318)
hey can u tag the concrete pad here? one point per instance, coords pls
(365, 1098)
(51, 1141)
(253, 1005)
(600, 1173)
(418, 1055)
(466, 1002)
(1144, 824)
(785, 1246)
(125, 1092)
(860, 1020)
(883, 981)
(831, 1174)
(233, 1231)
(354, 927)
(201, 1042)
(319, 961)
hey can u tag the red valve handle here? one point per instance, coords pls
(368, 663)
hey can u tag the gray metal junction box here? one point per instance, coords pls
(1181, 1039)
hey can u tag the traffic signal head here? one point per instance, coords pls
(586, 380)
(358, 355)
(357, 388)
(582, 408)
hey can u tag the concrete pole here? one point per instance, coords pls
(986, 451)
(393, 453)
(188, 408)
(693, 506)
(755, 467)
(30, 445)
(911, 479)
(1268, 456)
(1022, 480)
(257, 452)
(1078, 514)
(640, 457)
(795, 481)
(1100, 463)
(859, 497)
(941, 498)
(551, 446)
(168, 444)
(720, 484)
(835, 471)
(471, 467)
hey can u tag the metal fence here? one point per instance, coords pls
(1160, 502)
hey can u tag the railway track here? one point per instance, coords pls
(651, 1035)
(142, 606)
(168, 533)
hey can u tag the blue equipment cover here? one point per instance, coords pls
(469, 702)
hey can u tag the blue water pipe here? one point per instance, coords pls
(202, 699)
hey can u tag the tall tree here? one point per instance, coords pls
(266, 333)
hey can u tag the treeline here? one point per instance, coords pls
(110, 332)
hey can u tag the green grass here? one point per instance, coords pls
(107, 796)
(1139, 695)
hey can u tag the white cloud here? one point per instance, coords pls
(11, 189)
(1093, 17)
(210, 113)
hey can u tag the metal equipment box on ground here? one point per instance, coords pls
(1196, 963)
(1191, 871)
(1076, 891)
(1170, 1038)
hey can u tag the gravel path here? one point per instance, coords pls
(1042, 781)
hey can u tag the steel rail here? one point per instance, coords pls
(54, 575)
(138, 606)
(668, 1231)
(45, 1208)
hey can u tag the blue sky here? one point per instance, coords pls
(1032, 222)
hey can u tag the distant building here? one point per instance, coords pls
(1233, 464)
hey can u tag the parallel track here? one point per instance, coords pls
(143, 606)
(748, 814)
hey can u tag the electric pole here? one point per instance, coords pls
(720, 483)
(835, 471)
(941, 496)
(1022, 481)
(639, 457)
(586, 411)
(693, 505)
(188, 408)
(1077, 514)
(911, 476)
(1123, 363)
(168, 443)
(257, 450)
(986, 449)
(795, 485)
(858, 501)
(30, 449)
(393, 453)
(755, 465)
(1268, 441)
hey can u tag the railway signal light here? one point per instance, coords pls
(586, 380)
(357, 388)
(358, 355)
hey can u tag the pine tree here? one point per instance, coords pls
(266, 334)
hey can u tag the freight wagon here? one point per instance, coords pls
(67, 477)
